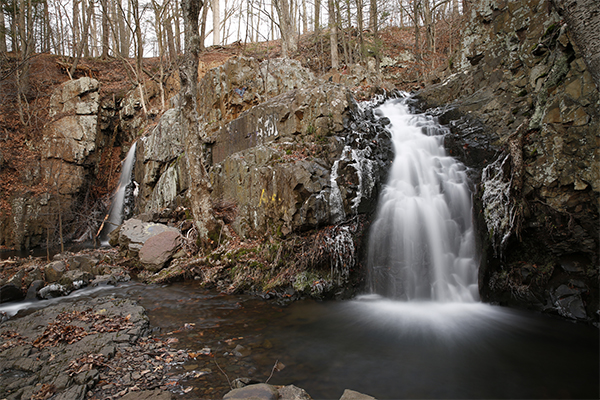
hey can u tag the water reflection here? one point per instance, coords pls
(387, 349)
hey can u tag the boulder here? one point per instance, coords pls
(10, 292)
(133, 233)
(291, 392)
(33, 289)
(260, 391)
(51, 291)
(568, 300)
(75, 279)
(84, 263)
(78, 96)
(159, 249)
(353, 395)
(54, 271)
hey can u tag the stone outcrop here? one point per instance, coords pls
(301, 160)
(71, 136)
(60, 350)
(223, 93)
(290, 155)
(65, 167)
(522, 104)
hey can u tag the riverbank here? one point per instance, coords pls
(100, 343)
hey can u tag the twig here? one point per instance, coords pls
(223, 372)
(272, 371)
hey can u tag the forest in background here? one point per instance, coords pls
(130, 45)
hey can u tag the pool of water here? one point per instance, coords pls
(387, 349)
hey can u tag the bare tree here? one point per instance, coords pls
(105, 29)
(3, 48)
(216, 22)
(335, 60)
(317, 18)
(81, 45)
(188, 74)
(287, 26)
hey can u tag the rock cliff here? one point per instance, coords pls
(524, 113)
(285, 152)
(306, 157)
(65, 166)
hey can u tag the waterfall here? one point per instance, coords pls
(422, 243)
(124, 188)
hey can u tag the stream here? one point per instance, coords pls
(387, 349)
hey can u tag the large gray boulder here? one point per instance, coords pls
(159, 249)
(133, 233)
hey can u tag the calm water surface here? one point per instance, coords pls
(387, 349)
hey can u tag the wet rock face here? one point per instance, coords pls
(223, 94)
(301, 160)
(287, 153)
(521, 92)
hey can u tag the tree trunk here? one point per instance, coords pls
(289, 40)
(170, 38)
(342, 34)
(199, 191)
(124, 36)
(373, 15)
(85, 36)
(3, 47)
(78, 52)
(583, 19)
(138, 36)
(335, 60)
(317, 22)
(105, 29)
(76, 28)
(416, 6)
(304, 17)
(429, 28)
(48, 36)
(203, 27)
(176, 17)
(216, 22)
(360, 21)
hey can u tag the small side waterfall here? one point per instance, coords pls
(422, 244)
(124, 188)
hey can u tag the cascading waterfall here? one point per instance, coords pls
(116, 214)
(422, 243)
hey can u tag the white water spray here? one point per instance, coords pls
(116, 208)
(422, 244)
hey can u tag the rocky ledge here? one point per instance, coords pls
(101, 349)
